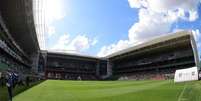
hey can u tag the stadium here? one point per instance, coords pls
(143, 72)
(158, 58)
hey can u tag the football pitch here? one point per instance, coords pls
(58, 90)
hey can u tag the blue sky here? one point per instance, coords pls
(101, 27)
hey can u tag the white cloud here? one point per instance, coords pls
(148, 25)
(106, 50)
(155, 18)
(193, 15)
(75, 45)
(79, 43)
(94, 41)
(137, 3)
(61, 43)
(164, 6)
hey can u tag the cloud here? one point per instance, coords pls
(193, 15)
(187, 7)
(148, 25)
(76, 45)
(61, 43)
(165, 5)
(79, 43)
(94, 41)
(106, 50)
(156, 17)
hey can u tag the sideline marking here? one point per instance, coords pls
(181, 94)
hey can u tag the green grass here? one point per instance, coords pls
(16, 91)
(52, 90)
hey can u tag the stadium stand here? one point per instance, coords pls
(157, 58)
(68, 66)
(18, 41)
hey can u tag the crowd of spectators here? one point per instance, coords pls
(149, 75)
(71, 76)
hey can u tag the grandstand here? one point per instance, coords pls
(72, 66)
(157, 58)
(18, 41)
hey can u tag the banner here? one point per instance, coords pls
(189, 74)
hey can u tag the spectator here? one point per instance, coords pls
(1, 79)
(9, 84)
(15, 79)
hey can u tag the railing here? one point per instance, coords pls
(156, 59)
(154, 67)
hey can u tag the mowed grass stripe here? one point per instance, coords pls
(86, 85)
(65, 88)
(52, 90)
(117, 90)
(165, 92)
(192, 92)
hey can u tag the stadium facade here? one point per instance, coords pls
(19, 49)
(157, 58)
(72, 66)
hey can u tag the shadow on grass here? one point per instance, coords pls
(17, 90)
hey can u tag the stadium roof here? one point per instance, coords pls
(40, 21)
(19, 20)
(144, 44)
(151, 42)
(73, 54)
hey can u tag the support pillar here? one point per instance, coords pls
(109, 68)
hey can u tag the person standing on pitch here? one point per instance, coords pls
(9, 84)
(1, 79)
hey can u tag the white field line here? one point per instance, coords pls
(181, 94)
